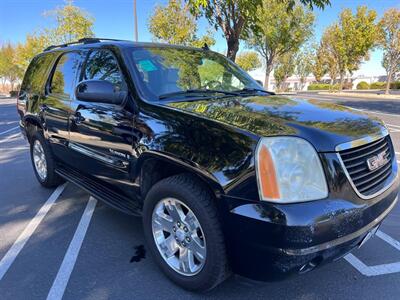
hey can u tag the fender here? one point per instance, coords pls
(182, 164)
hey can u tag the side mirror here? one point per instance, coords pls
(259, 82)
(100, 91)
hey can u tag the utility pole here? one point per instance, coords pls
(135, 20)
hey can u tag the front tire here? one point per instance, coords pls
(43, 162)
(183, 233)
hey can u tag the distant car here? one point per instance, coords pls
(227, 176)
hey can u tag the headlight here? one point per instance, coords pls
(289, 170)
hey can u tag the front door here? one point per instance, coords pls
(101, 134)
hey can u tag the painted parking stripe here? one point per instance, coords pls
(391, 125)
(378, 269)
(388, 239)
(19, 244)
(67, 266)
(371, 111)
(9, 130)
(10, 137)
(372, 270)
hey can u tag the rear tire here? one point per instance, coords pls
(43, 162)
(199, 237)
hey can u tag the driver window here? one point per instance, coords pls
(102, 65)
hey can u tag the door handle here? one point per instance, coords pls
(77, 118)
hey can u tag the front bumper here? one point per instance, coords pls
(270, 241)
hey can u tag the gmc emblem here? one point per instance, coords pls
(377, 161)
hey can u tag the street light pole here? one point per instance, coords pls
(135, 20)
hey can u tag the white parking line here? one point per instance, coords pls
(371, 111)
(392, 125)
(378, 269)
(388, 239)
(16, 248)
(10, 137)
(372, 270)
(67, 266)
(11, 129)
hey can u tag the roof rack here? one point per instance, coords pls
(81, 41)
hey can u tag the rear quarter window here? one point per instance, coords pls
(37, 73)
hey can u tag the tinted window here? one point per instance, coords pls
(65, 73)
(37, 73)
(102, 65)
(164, 70)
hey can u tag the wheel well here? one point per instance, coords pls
(31, 126)
(154, 170)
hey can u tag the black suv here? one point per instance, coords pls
(227, 176)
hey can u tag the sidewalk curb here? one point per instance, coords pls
(362, 95)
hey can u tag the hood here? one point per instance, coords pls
(324, 124)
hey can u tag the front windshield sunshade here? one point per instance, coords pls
(166, 72)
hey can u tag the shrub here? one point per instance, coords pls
(318, 86)
(378, 85)
(13, 94)
(347, 85)
(362, 85)
(395, 85)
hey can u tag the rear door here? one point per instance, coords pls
(101, 133)
(56, 106)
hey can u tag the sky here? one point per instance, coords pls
(114, 19)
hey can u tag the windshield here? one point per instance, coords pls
(166, 72)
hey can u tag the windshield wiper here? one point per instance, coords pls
(252, 90)
(200, 92)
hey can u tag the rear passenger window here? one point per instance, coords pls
(64, 75)
(37, 72)
(102, 65)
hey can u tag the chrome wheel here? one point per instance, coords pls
(179, 236)
(39, 160)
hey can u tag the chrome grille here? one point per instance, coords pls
(368, 182)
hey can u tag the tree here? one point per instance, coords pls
(304, 64)
(8, 68)
(248, 60)
(349, 41)
(34, 44)
(319, 66)
(174, 24)
(284, 68)
(389, 41)
(235, 18)
(280, 31)
(73, 23)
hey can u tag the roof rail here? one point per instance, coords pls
(89, 40)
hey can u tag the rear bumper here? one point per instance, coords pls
(267, 242)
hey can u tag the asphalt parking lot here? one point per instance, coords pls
(63, 243)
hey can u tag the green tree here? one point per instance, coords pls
(248, 60)
(174, 24)
(348, 42)
(304, 64)
(284, 68)
(319, 66)
(236, 18)
(73, 23)
(389, 41)
(33, 45)
(280, 31)
(8, 68)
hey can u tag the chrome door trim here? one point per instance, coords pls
(106, 159)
